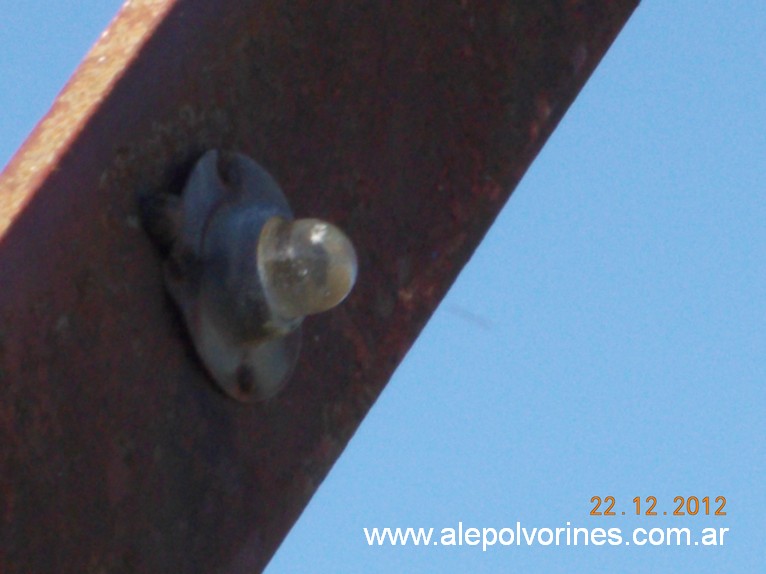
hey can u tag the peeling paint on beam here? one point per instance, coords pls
(407, 126)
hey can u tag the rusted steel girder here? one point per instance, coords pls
(407, 124)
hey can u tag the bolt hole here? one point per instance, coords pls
(245, 380)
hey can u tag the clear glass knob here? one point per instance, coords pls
(306, 266)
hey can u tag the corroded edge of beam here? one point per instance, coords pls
(90, 85)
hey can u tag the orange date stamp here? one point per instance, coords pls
(684, 506)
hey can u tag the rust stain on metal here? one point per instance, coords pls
(79, 100)
(407, 126)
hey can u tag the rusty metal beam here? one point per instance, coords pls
(406, 124)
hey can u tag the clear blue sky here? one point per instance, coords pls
(607, 338)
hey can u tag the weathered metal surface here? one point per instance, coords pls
(407, 124)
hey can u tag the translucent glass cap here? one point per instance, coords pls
(306, 266)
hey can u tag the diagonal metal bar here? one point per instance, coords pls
(408, 124)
